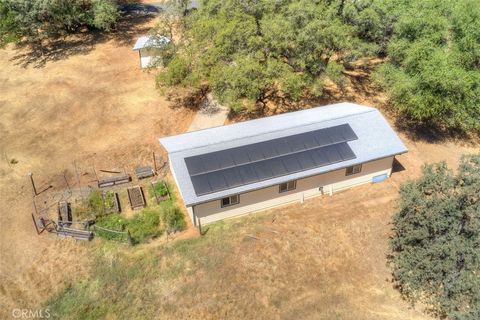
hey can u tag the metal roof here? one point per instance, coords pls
(372, 139)
(150, 42)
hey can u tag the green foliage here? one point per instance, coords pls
(176, 73)
(113, 222)
(145, 225)
(173, 220)
(105, 14)
(9, 30)
(37, 20)
(135, 280)
(95, 203)
(159, 188)
(249, 52)
(433, 75)
(435, 249)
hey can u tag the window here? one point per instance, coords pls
(230, 201)
(287, 186)
(353, 169)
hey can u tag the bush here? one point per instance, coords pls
(95, 202)
(173, 220)
(435, 248)
(105, 14)
(159, 188)
(38, 20)
(113, 222)
(145, 225)
(175, 74)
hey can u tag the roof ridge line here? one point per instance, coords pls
(256, 135)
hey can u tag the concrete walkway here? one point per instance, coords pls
(211, 114)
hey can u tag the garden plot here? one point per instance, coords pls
(160, 191)
(136, 198)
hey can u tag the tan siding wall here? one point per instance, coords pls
(306, 188)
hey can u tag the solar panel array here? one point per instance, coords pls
(260, 161)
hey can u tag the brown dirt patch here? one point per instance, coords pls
(93, 106)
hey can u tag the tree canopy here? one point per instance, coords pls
(436, 243)
(36, 20)
(248, 52)
(433, 73)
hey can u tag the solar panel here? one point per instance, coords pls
(217, 181)
(201, 185)
(233, 167)
(232, 177)
(269, 149)
(247, 174)
(271, 168)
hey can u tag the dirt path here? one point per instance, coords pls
(210, 115)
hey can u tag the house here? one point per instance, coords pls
(231, 170)
(149, 49)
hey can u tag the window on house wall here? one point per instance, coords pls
(230, 201)
(353, 169)
(287, 186)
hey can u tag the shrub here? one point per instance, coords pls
(145, 225)
(37, 20)
(105, 14)
(95, 202)
(435, 248)
(159, 188)
(113, 222)
(173, 219)
(176, 73)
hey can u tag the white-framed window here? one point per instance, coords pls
(353, 169)
(287, 186)
(230, 201)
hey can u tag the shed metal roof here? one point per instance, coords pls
(376, 140)
(150, 42)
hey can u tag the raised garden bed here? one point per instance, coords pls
(64, 214)
(144, 172)
(111, 202)
(160, 191)
(136, 198)
(112, 181)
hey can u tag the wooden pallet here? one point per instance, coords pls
(113, 181)
(83, 235)
(136, 197)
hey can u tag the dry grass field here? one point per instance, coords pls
(324, 259)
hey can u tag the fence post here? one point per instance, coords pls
(30, 174)
(129, 237)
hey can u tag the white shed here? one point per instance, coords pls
(149, 49)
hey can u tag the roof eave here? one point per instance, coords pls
(193, 203)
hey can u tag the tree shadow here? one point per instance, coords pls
(430, 132)
(129, 26)
(361, 89)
